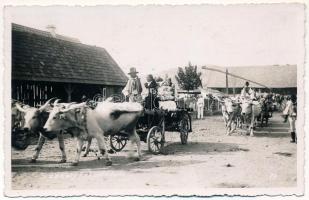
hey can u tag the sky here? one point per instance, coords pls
(158, 38)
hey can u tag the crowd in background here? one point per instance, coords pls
(164, 90)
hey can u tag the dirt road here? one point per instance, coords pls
(210, 159)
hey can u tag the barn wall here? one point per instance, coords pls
(112, 90)
(36, 93)
(84, 89)
(93, 92)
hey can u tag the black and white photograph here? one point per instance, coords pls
(154, 100)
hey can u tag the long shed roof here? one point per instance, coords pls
(272, 76)
(39, 56)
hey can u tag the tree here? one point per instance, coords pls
(188, 78)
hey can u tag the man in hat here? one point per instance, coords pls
(133, 89)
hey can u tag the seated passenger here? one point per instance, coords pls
(166, 91)
(248, 93)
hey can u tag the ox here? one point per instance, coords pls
(231, 114)
(19, 138)
(250, 110)
(34, 120)
(107, 118)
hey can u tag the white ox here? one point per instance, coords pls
(34, 120)
(250, 110)
(107, 118)
(231, 114)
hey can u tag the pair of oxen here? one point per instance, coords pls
(239, 112)
(82, 122)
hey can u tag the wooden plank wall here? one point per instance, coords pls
(37, 93)
(33, 94)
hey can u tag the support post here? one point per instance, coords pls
(69, 89)
(226, 81)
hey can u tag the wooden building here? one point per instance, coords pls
(46, 64)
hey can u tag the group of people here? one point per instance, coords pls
(289, 111)
(193, 102)
(249, 93)
(133, 90)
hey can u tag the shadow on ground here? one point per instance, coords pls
(200, 148)
(122, 162)
(119, 163)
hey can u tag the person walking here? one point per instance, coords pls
(290, 113)
(200, 107)
(133, 88)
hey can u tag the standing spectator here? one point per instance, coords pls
(290, 113)
(200, 107)
(133, 89)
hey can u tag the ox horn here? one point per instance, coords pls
(56, 102)
(74, 107)
(20, 108)
(43, 107)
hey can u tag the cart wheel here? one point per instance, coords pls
(155, 140)
(184, 129)
(117, 142)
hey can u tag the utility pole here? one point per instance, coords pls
(227, 81)
(234, 92)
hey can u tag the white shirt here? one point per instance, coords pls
(200, 102)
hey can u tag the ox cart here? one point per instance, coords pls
(152, 126)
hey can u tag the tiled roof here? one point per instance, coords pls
(38, 56)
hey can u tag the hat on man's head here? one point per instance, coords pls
(133, 70)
